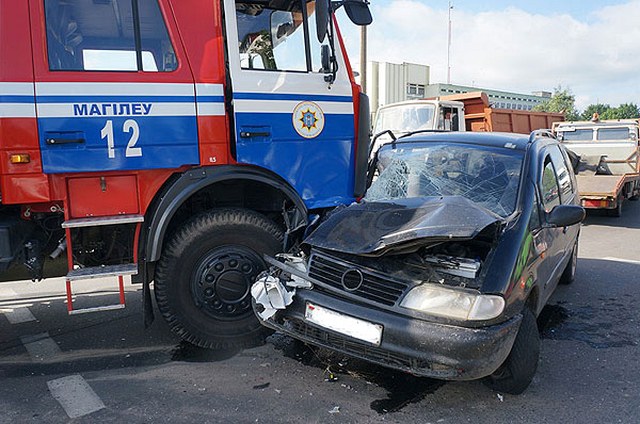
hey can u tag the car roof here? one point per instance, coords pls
(491, 139)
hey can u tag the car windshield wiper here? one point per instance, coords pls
(421, 131)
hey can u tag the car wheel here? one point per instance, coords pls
(204, 276)
(569, 273)
(517, 371)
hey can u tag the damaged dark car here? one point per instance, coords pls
(444, 265)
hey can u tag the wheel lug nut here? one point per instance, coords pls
(230, 308)
(208, 292)
(246, 267)
(209, 278)
(218, 267)
(233, 263)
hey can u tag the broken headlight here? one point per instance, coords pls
(452, 303)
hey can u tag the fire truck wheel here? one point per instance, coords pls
(204, 276)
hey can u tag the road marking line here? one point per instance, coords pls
(40, 346)
(629, 261)
(18, 315)
(75, 396)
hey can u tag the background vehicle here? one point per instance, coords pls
(442, 268)
(609, 168)
(466, 112)
(160, 140)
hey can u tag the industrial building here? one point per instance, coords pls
(396, 82)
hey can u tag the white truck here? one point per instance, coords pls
(609, 169)
(417, 115)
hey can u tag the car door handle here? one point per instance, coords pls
(250, 134)
(57, 140)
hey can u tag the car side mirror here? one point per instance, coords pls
(566, 215)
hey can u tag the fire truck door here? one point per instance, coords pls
(288, 119)
(110, 91)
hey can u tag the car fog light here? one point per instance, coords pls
(452, 303)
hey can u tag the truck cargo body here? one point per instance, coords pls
(480, 116)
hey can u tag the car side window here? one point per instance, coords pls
(549, 186)
(562, 173)
(86, 35)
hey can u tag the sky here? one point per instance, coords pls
(590, 47)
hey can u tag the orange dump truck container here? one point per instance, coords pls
(479, 116)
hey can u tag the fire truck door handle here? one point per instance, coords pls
(250, 134)
(58, 140)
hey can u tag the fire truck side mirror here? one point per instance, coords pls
(358, 11)
(322, 19)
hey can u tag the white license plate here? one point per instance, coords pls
(344, 324)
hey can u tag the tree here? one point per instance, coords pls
(598, 108)
(562, 101)
(624, 111)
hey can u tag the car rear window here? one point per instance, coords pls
(487, 176)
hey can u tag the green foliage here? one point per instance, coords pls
(562, 101)
(624, 111)
(598, 108)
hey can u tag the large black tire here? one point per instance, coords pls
(569, 273)
(204, 276)
(517, 371)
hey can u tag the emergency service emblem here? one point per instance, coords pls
(308, 119)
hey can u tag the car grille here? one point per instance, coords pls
(375, 287)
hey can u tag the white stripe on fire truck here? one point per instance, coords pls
(113, 89)
(17, 110)
(16, 89)
(286, 106)
(92, 110)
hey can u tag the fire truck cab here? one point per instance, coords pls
(175, 141)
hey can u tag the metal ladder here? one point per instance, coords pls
(118, 271)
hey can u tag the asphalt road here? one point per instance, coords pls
(105, 367)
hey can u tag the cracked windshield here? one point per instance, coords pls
(488, 177)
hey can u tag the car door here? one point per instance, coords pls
(554, 238)
(568, 196)
(288, 118)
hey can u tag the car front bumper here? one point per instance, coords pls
(413, 345)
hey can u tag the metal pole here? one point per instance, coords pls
(363, 58)
(449, 47)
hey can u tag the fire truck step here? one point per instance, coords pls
(103, 220)
(97, 309)
(102, 271)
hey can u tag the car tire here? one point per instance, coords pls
(569, 273)
(517, 371)
(203, 279)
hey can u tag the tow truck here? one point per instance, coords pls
(608, 168)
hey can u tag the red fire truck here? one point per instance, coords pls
(175, 141)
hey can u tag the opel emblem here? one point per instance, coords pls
(352, 279)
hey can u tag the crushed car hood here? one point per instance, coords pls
(370, 228)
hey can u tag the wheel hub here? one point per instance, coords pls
(222, 281)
